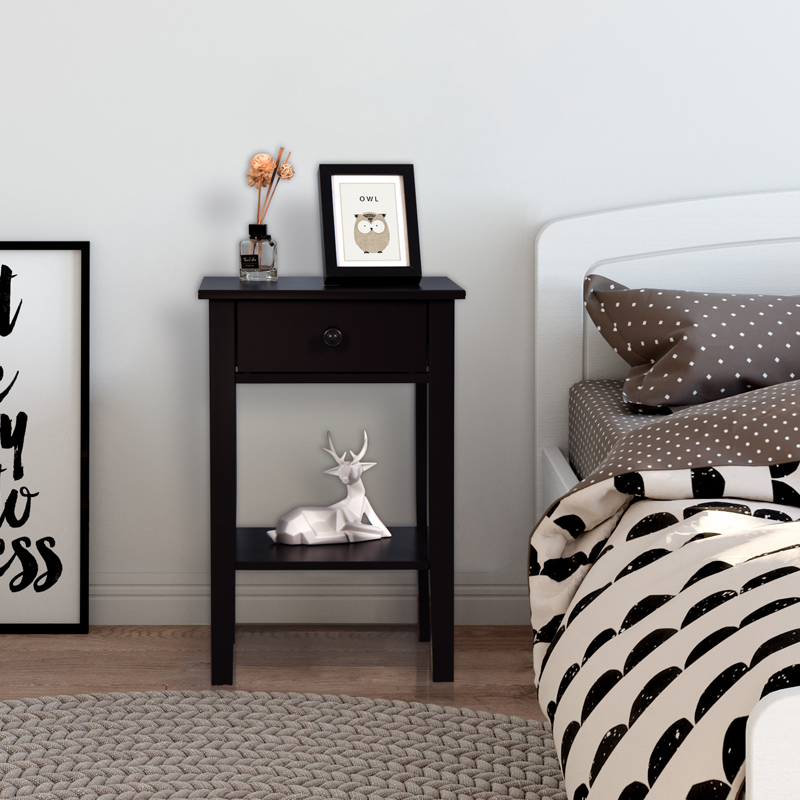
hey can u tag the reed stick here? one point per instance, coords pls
(268, 200)
(263, 209)
(263, 213)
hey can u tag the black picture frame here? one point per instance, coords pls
(343, 264)
(44, 437)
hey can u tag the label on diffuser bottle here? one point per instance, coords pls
(249, 262)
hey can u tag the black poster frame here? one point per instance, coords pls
(81, 502)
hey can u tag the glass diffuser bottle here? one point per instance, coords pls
(257, 256)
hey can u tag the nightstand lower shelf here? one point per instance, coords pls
(406, 549)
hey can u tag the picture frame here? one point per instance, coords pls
(44, 437)
(370, 232)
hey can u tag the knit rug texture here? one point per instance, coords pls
(268, 746)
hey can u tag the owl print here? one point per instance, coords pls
(371, 232)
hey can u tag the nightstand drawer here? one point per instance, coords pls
(332, 336)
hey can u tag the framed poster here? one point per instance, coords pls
(44, 437)
(369, 224)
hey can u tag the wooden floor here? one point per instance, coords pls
(492, 663)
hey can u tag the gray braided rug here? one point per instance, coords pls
(267, 746)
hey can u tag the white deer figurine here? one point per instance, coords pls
(340, 522)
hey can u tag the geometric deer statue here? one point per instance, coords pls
(340, 522)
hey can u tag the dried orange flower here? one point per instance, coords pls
(262, 163)
(266, 173)
(257, 178)
(261, 168)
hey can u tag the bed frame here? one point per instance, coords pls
(736, 243)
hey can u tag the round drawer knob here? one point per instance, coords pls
(332, 337)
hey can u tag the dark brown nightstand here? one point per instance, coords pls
(395, 334)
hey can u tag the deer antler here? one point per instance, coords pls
(332, 451)
(357, 458)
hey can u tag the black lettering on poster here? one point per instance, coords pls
(15, 509)
(7, 324)
(14, 437)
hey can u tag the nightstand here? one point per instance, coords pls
(391, 334)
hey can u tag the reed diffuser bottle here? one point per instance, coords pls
(257, 256)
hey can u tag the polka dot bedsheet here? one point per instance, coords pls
(665, 599)
(598, 417)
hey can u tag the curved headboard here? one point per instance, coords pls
(736, 243)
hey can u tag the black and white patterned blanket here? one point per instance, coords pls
(665, 600)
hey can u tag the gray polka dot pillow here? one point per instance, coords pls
(686, 348)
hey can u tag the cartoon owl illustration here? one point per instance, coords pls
(371, 232)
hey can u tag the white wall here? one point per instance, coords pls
(132, 124)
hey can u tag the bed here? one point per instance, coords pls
(663, 578)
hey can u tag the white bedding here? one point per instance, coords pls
(663, 592)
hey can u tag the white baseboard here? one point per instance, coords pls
(301, 598)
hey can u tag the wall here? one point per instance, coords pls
(131, 125)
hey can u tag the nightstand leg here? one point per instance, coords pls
(423, 606)
(441, 441)
(222, 407)
(421, 469)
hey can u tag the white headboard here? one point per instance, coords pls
(736, 243)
